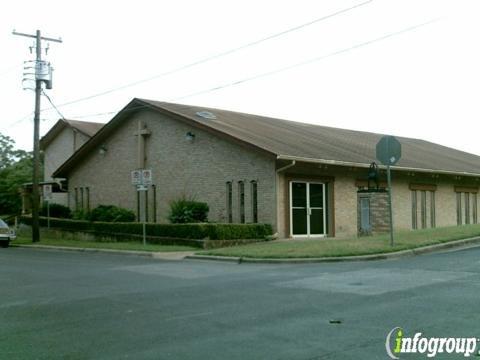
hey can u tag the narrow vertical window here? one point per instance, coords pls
(254, 201)
(432, 209)
(76, 199)
(87, 198)
(423, 209)
(467, 208)
(154, 195)
(229, 202)
(474, 208)
(81, 199)
(365, 226)
(414, 209)
(459, 208)
(241, 202)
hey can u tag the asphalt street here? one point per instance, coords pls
(73, 305)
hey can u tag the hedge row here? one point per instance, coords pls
(182, 231)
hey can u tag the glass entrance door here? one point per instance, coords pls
(307, 209)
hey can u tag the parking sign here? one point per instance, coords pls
(136, 177)
(47, 192)
(147, 177)
(142, 177)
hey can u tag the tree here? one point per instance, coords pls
(8, 154)
(16, 167)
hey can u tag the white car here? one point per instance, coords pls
(6, 234)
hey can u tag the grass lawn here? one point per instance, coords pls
(330, 247)
(103, 245)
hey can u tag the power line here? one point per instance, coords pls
(218, 55)
(198, 62)
(15, 123)
(286, 68)
(307, 62)
(94, 115)
(110, 112)
(51, 103)
(27, 117)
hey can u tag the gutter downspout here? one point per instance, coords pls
(278, 171)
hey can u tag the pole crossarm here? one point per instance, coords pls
(59, 40)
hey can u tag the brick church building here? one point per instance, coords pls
(306, 180)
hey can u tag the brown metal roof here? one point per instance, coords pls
(300, 141)
(85, 127)
(291, 139)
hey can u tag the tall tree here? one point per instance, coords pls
(8, 153)
(16, 168)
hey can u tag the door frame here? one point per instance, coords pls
(290, 205)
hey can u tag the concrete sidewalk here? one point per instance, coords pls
(166, 255)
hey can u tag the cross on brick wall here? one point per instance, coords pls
(141, 134)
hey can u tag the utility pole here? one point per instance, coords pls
(40, 76)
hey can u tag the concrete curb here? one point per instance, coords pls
(174, 255)
(234, 259)
(464, 243)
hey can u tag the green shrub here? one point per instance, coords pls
(56, 211)
(80, 215)
(111, 213)
(185, 211)
(197, 231)
(238, 231)
(64, 224)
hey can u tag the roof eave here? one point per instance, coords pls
(52, 133)
(365, 165)
(63, 170)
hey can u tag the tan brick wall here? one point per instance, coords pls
(59, 150)
(198, 169)
(80, 139)
(345, 198)
(345, 205)
(402, 203)
(446, 205)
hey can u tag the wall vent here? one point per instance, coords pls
(206, 115)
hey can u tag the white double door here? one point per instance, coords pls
(307, 209)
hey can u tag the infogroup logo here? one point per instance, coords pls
(397, 343)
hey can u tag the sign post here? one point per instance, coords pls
(390, 209)
(142, 179)
(389, 151)
(141, 189)
(47, 196)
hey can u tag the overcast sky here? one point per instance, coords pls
(420, 77)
